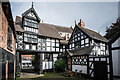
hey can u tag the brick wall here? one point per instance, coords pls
(4, 32)
(0, 24)
(3, 39)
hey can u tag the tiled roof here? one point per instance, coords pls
(82, 51)
(18, 28)
(93, 34)
(18, 24)
(48, 30)
(63, 29)
(44, 29)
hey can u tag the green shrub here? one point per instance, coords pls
(59, 65)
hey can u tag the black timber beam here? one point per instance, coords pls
(116, 76)
(110, 61)
(116, 48)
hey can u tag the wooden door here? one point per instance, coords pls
(69, 63)
(100, 70)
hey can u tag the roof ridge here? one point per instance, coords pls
(89, 29)
(93, 34)
(56, 25)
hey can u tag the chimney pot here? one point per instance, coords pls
(81, 23)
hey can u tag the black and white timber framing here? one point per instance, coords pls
(33, 40)
(87, 50)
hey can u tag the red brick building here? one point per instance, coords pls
(7, 42)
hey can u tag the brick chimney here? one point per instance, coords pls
(81, 23)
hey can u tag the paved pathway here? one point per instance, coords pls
(29, 73)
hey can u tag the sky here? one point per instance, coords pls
(96, 15)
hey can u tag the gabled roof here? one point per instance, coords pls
(31, 10)
(18, 28)
(93, 34)
(18, 24)
(44, 29)
(82, 51)
(48, 30)
(63, 29)
(18, 19)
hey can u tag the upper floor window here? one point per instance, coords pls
(30, 20)
(31, 24)
(34, 47)
(27, 46)
(30, 38)
(9, 38)
(30, 29)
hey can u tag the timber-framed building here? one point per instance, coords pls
(45, 41)
(81, 48)
(88, 51)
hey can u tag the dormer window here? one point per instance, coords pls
(31, 24)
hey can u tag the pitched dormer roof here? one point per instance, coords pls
(31, 10)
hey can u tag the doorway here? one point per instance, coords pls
(100, 70)
(69, 63)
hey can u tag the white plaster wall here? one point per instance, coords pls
(116, 58)
(47, 65)
(50, 64)
(115, 44)
(119, 58)
(79, 67)
(55, 55)
(98, 49)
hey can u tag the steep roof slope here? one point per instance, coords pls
(44, 29)
(18, 24)
(93, 34)
(48, 30)
(63, 29)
